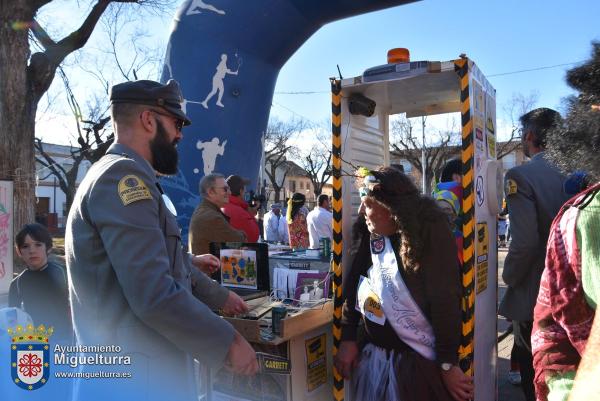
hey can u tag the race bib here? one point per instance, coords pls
(368, 303)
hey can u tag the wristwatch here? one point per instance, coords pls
(446, 366)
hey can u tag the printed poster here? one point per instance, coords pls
(238, 268)
(491, 146)
(478, 97)
(490, 125)
(316, 362)
(482, 257)
(6, 235)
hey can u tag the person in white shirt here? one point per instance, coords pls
(283, 229)
(275, 225)
(319, 222)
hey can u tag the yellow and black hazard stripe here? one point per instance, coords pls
(466, 350)
(336, 264)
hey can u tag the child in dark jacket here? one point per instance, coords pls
(41, 290)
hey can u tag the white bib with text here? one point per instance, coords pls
(399, 307)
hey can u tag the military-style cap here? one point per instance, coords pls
(151, 93)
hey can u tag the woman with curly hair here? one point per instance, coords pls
(406, 288)
(296, 219)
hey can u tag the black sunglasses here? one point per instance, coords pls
(179, 123)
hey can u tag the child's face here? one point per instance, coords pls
(33, 253)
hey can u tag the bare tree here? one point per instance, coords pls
(93, 134)
(93, 140)
(278, 148)
(317, 161)
(26, 76)
(441, 145)
(122, 53)
(518, 105)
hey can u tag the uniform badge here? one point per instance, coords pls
(133, 189)
(30, 356)
(377, 245)
(510, 187)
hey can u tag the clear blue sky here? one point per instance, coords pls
(500, 36)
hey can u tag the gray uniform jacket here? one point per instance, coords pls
(132, 285)
(534, 194)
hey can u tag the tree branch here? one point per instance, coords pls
(507, 148)
(77, 39)
(43, 65)
(41, 35)
(284, 177)
(50, 163)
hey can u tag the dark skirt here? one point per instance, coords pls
(385, 375)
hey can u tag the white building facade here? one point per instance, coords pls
(50, 208)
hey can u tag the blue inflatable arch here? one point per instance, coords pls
(226, 54)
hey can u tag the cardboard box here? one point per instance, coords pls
(293, 325)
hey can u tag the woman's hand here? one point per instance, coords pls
(206, 263)
(459, 385)
(346, 359)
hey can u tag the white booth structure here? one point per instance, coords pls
(421, 89)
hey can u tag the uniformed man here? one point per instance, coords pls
(131, 284)
(534, 194)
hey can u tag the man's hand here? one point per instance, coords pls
(459, 385)
(346, 359)
(241, 358)
(234, 305)
(206, 263)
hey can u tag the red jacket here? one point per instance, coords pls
(237, 211)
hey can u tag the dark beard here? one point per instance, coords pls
(164, 153)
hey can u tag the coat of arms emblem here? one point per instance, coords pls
(377, 245)
(30, 360)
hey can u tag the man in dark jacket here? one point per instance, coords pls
(534, 194)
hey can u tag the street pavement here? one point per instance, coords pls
(506, 391)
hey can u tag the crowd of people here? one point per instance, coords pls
(131, 283)
(232, 219)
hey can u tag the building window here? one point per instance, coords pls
(407, 166)
(292, 186)
(301, 185)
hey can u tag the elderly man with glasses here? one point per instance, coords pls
(208, 224)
